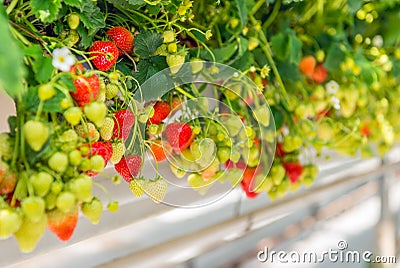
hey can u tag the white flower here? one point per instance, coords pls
(336, 102)
(332, 87)
(377, 41)
(63, 59)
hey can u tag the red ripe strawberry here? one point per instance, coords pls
(87, 88)
(161, 111)
(365, 130)
(320, 73)
(122, 38)
(62, 224)
(247, 182)
(176, 102)
(323, 113)
(240, 165)
(105, 55)
(158, 151)
(307, 65)
(294, 170)
(129, 167)
(179, 136)
(8, 179)
(123, 122)
(102, 149)
(279, 150)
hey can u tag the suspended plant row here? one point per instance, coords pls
(206, 94)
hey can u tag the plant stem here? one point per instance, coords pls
(273, 15)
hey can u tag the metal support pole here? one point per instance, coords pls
(386, 228)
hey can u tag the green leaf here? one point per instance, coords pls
(280, 46)
(91, 16)
(137, 2)
(278, 117)
(46, 11)
(32, 101)
(154, 10)
(145, 71)
(155, 87)
(242, 8)
(123, 4)
(225, 53)
(335, 56)
(295, 45)
(86, 40)
(244, 62)
(67, 82)
(354, 5)
(73, 3)
(42, 66)
(10, 55)
(146, 43)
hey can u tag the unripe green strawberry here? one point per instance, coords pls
(97, 163)
(172, 48)
(10, 222)
(175, 62)
(87, 131)
(68, 140)
(56, 187)
(72, 39)
(41, 183)
(33, 208)
(58, 162)
(73, 21)
(75, 157)
(36, 134)
(101, 97)
(111, 90)
(107, 130)
(292, 143)
(234, 176)
(137, 187)
(112, 206)
(178, 172)
(233, 124)
(85, 164)
(169, 36)
(195, 180)
(277, 174)
(65, 201)
(118, 152)
(235, 155)
(263, 183)
(262, 115)
(73, 115)
(156, 189)
(5, 148)
(253, 43)
(46, 91)
(196, 64)
(51, 201)
(325, 132)
(81, 187)
(29, 234)
(96, 112)
(223, 154)
(114, 77)
(92, 210)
